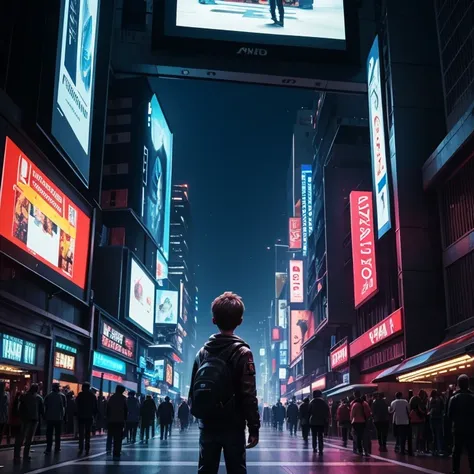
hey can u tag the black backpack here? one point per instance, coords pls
(213, 389)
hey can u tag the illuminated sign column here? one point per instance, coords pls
(390, 326)
(377, 138)
(363, 247)
(339, 356)
(306, 205)
(294, 224)
(296, 281)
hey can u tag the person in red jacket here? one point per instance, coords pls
(343, 417)
(360, 413)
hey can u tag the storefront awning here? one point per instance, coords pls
(344, 389)
(450, 356)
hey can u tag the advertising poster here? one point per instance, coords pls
(339, 356)
(141, 309)
(169, 374)
(176, 380)
(40, 219)
(103, 361)
(296, 281)
(166, 307)
(161, 268)
(294, 237)
(156, 206)
(64, 361)
(377, 138)
(363, 246)
(281, 321)
(315, 24)
(74, 80)
(301, 331)
(160, 369)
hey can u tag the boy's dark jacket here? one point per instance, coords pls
(243, 368)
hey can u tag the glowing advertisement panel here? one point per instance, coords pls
(156, 187)
(161, 268)
(377, 139)
(363, 247)
(294, 231)
(315, 25)
(160, 369)
(103, 361)
(169, 374)
(141, 310)
(389, 327)
(306, 205)
(176, 379)
(40, 219)
(301, 331)
(296, 281)
(281, 314)
(74, 80)
(166, 307)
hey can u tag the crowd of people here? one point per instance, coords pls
(27, 413)
(438, 424)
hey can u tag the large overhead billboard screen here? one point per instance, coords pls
(319, 24)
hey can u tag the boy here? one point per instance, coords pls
(223, 394)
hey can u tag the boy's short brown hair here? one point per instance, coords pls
(227, 311)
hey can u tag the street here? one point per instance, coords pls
(277, 453)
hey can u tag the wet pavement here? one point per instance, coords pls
(277, 453)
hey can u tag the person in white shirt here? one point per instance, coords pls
(401, 422)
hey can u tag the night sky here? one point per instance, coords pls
(232, 146)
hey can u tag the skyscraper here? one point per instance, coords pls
(181, 275)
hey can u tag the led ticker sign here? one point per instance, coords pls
(377, 138)
(115, 341)
(111, 377)
(306, 205)
(339, 356)
(389, 327)
(65, 347)
(363, 247)
(294, 224)
(103, 361)
(40, 219)
(64, 361)
(296, 281)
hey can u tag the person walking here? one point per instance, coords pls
(86, 410)
(304, 418)
(292, 413)
(319, 415)
(360, 414)
(381, 420)
(133, 407)
(461, 414)
(54, 412)
(281, 12)
(343, 417)
(417, 421)
(148, 415)
(401, 422)
(435, 412)
(4, 409)
(31, 411)
(280, 415)
(166, 416)
(117, 413)
(183, 415)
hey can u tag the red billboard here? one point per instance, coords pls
(363, 246)
(40, 219)
(296, 281)
(339, 356)
(301, 331)
(295, 237)
(389, 327)
(319, 384)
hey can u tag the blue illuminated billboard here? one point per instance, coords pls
(104, 361)
(156, 186)
(306, 205)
